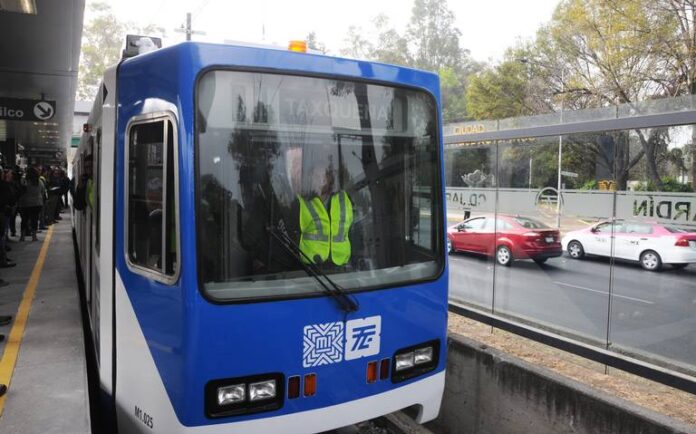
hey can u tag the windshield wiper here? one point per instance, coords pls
(346, 302)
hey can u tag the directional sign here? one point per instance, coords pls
(43, 110)
(19, 109)
(570, 174)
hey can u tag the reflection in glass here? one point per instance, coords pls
(470, 171)
(347, 170)
(552, 291)
(626, 278)
(150, 236)
(654, 247)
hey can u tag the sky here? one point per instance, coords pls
(488, 27)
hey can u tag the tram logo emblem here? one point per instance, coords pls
(324, 344)
(363, 337)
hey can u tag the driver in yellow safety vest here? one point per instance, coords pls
(324, 230)
(324, 221)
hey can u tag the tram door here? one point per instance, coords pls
(94, 235)
(83, 230)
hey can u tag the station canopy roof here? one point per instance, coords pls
(39, 57)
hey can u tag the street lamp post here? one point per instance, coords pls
(560, 147)
(560, 156)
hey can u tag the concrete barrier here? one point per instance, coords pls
(488, 391)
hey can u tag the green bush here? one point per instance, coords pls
(669, 184)
(590, 185)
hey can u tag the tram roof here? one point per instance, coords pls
(39, 58)
(197, 56)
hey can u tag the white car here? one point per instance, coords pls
(651, 244)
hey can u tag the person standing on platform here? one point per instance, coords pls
(65, 188)
(43, 223)
(83, 195)
(31, 202)
(14, 177)
(54, 188)
(7, 201)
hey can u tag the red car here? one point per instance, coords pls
(516, 237)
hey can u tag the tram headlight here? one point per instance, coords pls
(231, 394)
(418, 357)
(262, 390)
(244, 395)
(414, 361)
(404, 361)
(423, 355)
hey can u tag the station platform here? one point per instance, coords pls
(43, 350)
(43, 353)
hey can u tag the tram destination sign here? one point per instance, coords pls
(19, 109)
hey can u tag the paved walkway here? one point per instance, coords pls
(43, 357)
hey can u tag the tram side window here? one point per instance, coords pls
(152, 233)
(170, 201)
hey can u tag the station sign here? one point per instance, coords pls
(463, 129)
(19, 109)
(666, 208)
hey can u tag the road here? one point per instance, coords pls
(653, 314)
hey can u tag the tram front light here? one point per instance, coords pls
(294, 387)
(371, 372)
(262, 390)
(415, 361)
(384, 369)
(231, 394)
(404, 361)
(310, 385)
(423, 355)
(298, 46)
(244, 395)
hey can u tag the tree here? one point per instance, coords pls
(433, 42)
(673, 30)
(391, 47)
(430, 41)
(103, 37)
(453, 94)
(593, 53)
(601, 48)
(388, 46)
(499, 92)
(356, 45)
(433, 37)
(314, 44)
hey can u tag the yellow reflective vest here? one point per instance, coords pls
(324, 234)
(90, 193)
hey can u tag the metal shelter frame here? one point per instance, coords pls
(651, 371)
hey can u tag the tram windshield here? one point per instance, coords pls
(346, 169)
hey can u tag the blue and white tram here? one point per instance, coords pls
(264, 247)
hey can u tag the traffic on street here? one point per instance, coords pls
(651, 311)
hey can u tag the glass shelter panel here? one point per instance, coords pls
(590, 235)
(471, 197)
(539, 284)
(654, 285)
